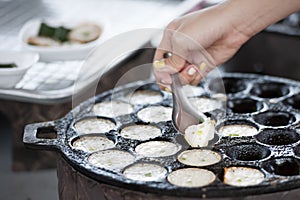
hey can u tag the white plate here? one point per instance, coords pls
(9, 77)
(59, 53)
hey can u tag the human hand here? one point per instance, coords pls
(198, 42)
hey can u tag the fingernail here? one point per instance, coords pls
(159, 63)
(191, 71)
(202, 66)
(168, 90)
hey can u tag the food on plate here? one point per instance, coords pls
(111, 159)
(199, 135)
(57, 36)
(94, 125)
(155, 114)
(85, 33)
(8, 65)
(203, 104)
(92, 144)
(199, 157)
(157, 149)
(145, 97)
(140, 132)
(191, 177)
(242, 176)
(237, 130)
(145, 172)
(112, 108)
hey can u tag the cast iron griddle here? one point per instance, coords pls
(269, 103)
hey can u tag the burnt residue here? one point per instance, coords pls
(287, 166)
(248, 152)
(245, 105)
(277, 152)
(278, 136)
(270, 90)
(274, 118)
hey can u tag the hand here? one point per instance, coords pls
(202, 40)
(199, 42)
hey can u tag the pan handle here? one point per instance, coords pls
(42, 136)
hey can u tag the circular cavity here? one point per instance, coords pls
(231, 85)
(157, 149)
(274, 118)
(140, 132)
(248, 152)
(237, 130)
(92, 144)
(297, 151)
(155, 114)
(242, 176)
(145, 172)
(278, 136)
(202, 104)
(112, 108)
(294, 101)
(144, 97)
(94, 125)
(191, 177)
(111, 159)
(270, 90)
(199, 157)
(244, 105)
(287, 166)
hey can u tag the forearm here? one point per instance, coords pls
(251, 16)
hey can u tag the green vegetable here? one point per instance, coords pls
(9, 65)
(148, 174)
(234, 134)
(58, 34)
(239, 180)
(201, 120)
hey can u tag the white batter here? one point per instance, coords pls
(203, 104)
(199, 135)
(157, 149)
(199, 157)
(155, 114)
(112, 108)
(145, 172)
(140, 132)
(237, 130)
(144, 97)
(111, 159)
(92, 144)
(191, 177)
(94, 125)
(242, 176)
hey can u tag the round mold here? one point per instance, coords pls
(282, 166)
(278, 136)
(248, 152)
(94, 124)
(294, 101)
(237, 128)
(231, 85)
(270, 90)
(243, 106)
(274, 118)
(91, 143)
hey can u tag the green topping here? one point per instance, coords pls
(59, 34)
(200, 132)
(85, 33)
(189, 182)
(148, 174)
(239, 180)
(183, 158)
(234, 134)
(91, 149)
(201, 120)
(9, 65)
(203, 160)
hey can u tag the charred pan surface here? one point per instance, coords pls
(271, 108)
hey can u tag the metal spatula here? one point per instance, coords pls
(184, 115)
